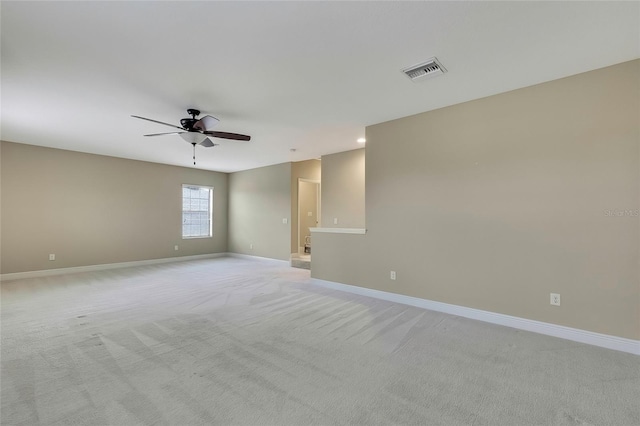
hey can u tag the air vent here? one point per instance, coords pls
(426, 69)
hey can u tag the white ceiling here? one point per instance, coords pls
(303, 75)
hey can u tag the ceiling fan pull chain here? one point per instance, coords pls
(194, 153)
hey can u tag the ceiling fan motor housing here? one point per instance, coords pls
(188, 123)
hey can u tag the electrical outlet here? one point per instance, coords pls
(285, 220)
(555, 299)
(335, 220)
(175, 248)
(392, 275)
(52, 256)
(251, 246)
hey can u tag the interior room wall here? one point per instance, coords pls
(343, 189)
(259, 200)
(496, 203)
(309, 169)
(91, 209)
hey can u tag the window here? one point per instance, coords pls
(197, 211)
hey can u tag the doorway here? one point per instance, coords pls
(308, 213)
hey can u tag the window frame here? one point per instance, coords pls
(210, 210)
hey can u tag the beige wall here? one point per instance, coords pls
(343, 189)
(91, 209)
(494, 204)
(258, 201)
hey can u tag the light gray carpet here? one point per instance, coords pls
(234, 341)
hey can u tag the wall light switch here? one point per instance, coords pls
(175, 248)
(285, 220)
(309, 214)
(52, 257)
(335, 220)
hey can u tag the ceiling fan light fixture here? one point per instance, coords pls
(193, 137)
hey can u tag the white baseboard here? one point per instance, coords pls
(279, 262)
(91, 268)
(574, 334)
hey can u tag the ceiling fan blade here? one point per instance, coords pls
(162, 134)
(206, 123)
(208, 143)
(226, 135)
(159, 122)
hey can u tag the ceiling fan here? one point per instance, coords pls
(197, 131)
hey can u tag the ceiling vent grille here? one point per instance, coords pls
(430, 68)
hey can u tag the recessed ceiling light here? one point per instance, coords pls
(361, 140)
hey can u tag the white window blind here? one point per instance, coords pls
(197, 211)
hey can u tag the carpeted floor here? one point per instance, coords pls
(234, 341)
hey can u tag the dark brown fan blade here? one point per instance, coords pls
(207, 143)
(162, 134)
(159, 122)
(226, 135)
(206, 123)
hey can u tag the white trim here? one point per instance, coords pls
(280, 262)
(92, 268)
(574, 334)
(340, 230)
